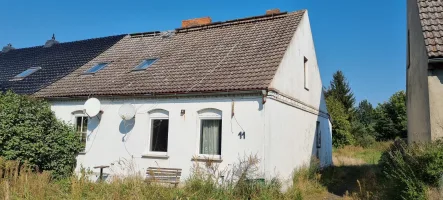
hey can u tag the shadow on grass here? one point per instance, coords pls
(339, 179)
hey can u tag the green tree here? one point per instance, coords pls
(365, 113)
(339, 88)
(362, 125)
(341, 126)
(391, 119)
(29, 131)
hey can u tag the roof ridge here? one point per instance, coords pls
(68, 42)
(240, 21)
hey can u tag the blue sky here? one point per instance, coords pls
(364, 39)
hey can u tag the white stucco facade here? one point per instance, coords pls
(279, 124)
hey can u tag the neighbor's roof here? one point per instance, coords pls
(431, 16)
(235, 55)
(55, 62)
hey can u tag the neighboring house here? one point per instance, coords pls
(27, 70)
(217, 91)
(424, 70)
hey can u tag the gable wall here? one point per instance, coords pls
(289, 78)
(417, 79)
(291, 129)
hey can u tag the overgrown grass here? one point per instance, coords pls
(356, 174)
(357, 155)
(21, 182)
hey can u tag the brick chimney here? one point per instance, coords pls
(273, 11)
(196, 22)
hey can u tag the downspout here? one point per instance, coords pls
(264, 94)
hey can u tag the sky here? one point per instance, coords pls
(364, 39)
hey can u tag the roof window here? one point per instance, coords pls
(145, 64)
(25, 73)
(96, 68)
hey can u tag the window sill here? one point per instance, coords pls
(155, 156)
(203, 158)
(81, 153)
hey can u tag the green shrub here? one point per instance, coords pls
(29, 131)
(341, 126)
(403, 171)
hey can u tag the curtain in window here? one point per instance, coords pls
(211, 137)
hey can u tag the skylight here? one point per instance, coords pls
(96, 68)
(26, 73)
(145, 64)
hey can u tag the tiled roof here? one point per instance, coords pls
(228, 56)
(431, 16)
(55, 62)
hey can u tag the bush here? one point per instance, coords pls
(405, 171)
(341, 126)
(29, 131)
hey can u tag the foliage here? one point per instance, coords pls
(409, 170)
(391, 119)
(340, 123)
(30, 132)
(339, 89)
(365, 113)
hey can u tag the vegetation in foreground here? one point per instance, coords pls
(19, 181)
(387, 170)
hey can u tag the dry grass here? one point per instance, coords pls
(356, 155)
(20, 182)
(352, 177)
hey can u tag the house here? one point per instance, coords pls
(206, 91)
(47, 63)
(424, 70)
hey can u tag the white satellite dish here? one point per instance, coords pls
(92, 107)
(127, 111)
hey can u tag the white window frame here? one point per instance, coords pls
(80, 113)
(306, 73)
(209, 114)
(155, 115)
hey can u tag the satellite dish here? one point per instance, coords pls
(92, 107)
(127, 111)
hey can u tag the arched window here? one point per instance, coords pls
(159, 131)
(81, 126)
(210, 137)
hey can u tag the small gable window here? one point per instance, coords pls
(145, 64)
(306, 73)
(26, 73)
(96, 68)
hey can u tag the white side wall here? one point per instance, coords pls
(105, 144)
(291, 130)
(291, 139)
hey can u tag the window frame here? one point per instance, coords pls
(75, 115)
(100, 63)
(144, 60)
(209, 114)
(18, 78)
(306, 73)
(157, 114)
(318, 135)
